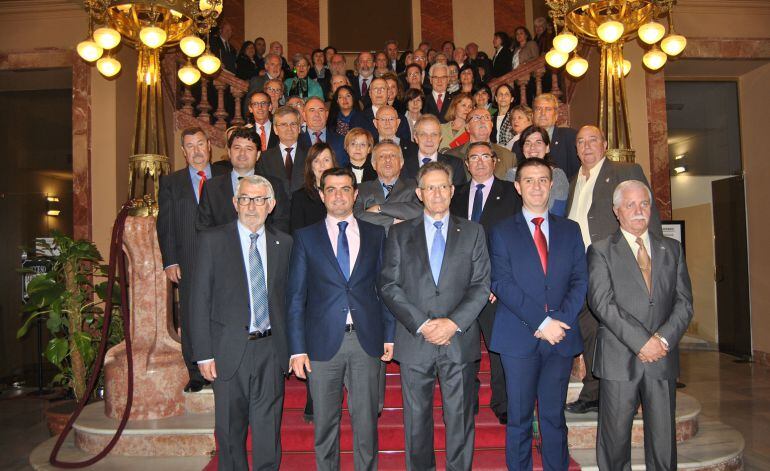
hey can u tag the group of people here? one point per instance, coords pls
(333, 240)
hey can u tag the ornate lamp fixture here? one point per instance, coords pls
(150, 27)
(609, 24)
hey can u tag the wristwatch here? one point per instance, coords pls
(662, 339)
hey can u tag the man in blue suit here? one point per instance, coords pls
(338, 328)
(540, 278)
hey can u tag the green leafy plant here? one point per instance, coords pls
(71, 298)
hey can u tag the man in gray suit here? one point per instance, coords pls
(238, 326)
(436, 300)
(389, 199)
(640, 290)
(590, 205)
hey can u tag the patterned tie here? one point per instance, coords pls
(364, 87)
(262, 137)
(541, 243)
(437, 251)
(317, 137)
(478, 202)
(440, 102)
(260, 319)
(343, 250)
(645, 265)
(202, 174)
(388, 189)
(288, 163)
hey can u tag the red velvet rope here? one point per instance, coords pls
(117, 261)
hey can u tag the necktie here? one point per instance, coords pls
(364, 87)
(288, 163)
(437, 251)
(262, 137)
(478, 201)
(643, 259)
(343, 250)
(541, 243)
(425, 160)
(260, 319)
(440, 101)
(317, 137)
(388, 189)
(202, 174)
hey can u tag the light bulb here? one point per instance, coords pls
(106, 37)
(626, 67)
(556, 58)
(176, 14)
(577, 66)
(565, 42)
(189, 74)
(206, 5)
(125, 8)
(654, 59)
(108, 66)
(152, 36)
(610, 31)
(651, 32)
(89, 50)
(192, 46)
(208, 63)
(673, 44)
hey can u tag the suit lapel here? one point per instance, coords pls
(418, 239)
(236, 255)
(452, 239)
(626, 255)
(658, 258)
(529, 250)
(495, 194)
(325, 244)
(363, 239)
(187, 186)
(462, 201)
(272, 251)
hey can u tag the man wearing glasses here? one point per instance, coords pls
(287, 159)
(479, 127)
(438, 100)
(238, 326)
(563, 152)
(259, 106)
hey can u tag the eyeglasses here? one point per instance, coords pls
(480, 157)
(480, 117)
(284, 125)
(544, 108)
(440, 77)
(257, 200)
(435, 188)
(387, 120)
(260, 104)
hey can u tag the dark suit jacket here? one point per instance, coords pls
(505, 158)
(430, 106)
(523, 290)
(319, 297)
(407, 287)
(629, 315)
(503, 201)
(354, 84)
(563, 151)
(305, 210)
(225, 54)
(502, 63)
(412, 166)
(216, 206)
(272, 138)
(335, 141)
(402, 202)
(272, 164)
(601, 219)
(220, 310)
(365, 119)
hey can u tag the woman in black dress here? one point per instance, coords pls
(246, 65)
(306, 205)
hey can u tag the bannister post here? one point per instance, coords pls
(220, 113)
(522, 83)
(539, 73)
(204, 107)
(555, 90)
(238, 117)
(188, 99)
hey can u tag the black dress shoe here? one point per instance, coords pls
(503, 418)
(582, 407)
(195, 385)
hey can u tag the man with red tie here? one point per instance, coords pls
(259, 106)
(438, 100)
(287, 159)
(178, 199)
(540, 278)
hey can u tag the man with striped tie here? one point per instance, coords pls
(238, 328)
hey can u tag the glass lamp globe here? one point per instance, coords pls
(89, 50)
(651, 32)
(673, 44)
(565, 42)
(108, 66)
(152, 36)
(106, 37)
(189, 74)
(556, 58)
(610, 31)
(654, 59)
(626, 67)
(577, 66)
(192, 46)
(208, 63)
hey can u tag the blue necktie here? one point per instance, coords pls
(387, 188)
(425, 160)
(343, 251)
(437, 251)
(260, 319)
(478, 201)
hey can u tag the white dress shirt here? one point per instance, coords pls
(484, 191)
(582, 200)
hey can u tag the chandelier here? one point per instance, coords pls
(609, 24)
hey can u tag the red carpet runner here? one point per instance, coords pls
(297, 436)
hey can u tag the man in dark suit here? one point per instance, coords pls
(435, 281)
(272, 72)
(388, 127)
(361, 83)
(216, 201)
(479, 127)
(389, 199)
(437, 100)
(314, 113)
(590, 205)
(221, 47)
(640, 290)
(427, 135)
(391, 50)
(487, 200)
(178, 198)
(238, 327)
(540, 278)
(378, 94)
(545, 113)
(259, 106)
(339, 330)
(287, 160)
(502, 60)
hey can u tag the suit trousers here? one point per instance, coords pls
(589, 328)
(184, 325)
(543, 377)
(499, 401)
(617, 405)
(352, 367)
(252, 397)
(457, 380)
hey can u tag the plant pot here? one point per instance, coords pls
(58, 413)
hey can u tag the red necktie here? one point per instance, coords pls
(541, 243)
(440, 102)
(364, 88)
(317, 137)
(288, 163)
(262, 137)
(200, 183)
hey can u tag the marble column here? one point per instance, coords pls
(304, 33)
(436, 22)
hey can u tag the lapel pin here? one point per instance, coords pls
(556, 143)
(277, 242)
(607, 180)
(497, 198)
(458, 229)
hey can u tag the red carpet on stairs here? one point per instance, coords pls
(297, 436)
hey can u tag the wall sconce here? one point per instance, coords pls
(52, 206)
(680, 169)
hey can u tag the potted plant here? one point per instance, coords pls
(70, 297)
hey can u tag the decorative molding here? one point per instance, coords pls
(719, 6)
(727, 48)
(42, 9)
(41, 58)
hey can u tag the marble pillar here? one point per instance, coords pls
(159, 370)
(304, 33)
(436, 22)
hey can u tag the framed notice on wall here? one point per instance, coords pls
(674, 230)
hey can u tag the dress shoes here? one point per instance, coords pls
(195, 385)
(582, 407)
